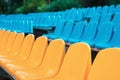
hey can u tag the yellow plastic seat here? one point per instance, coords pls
(4, 40)
(9, 42)
(35, 59)
(106, 65)
(1, 35)
(50, 65)
(23, 54)
(15, 48)
(76, 64)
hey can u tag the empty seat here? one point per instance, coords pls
(106, 65)
(114, 42)
(1, 35)
(35, 59)
(90, 12)
(50, 65)
(76, 64)
(79, 15)
(95, 18)
(104, 10)
(103, 35)
(115, 21)
(58, 30)
(9, 43)
(23, 53)
(77, 32)
(111, 9)
(98, 10)
(3, 42)
(89, 32)
(66, 31)
(15, 48)
(117, 9)
(105, 18)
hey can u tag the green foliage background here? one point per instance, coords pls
(27, 6)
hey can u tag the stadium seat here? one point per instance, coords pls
(114, 42)
(23, 53)
(117, 9)
(15, 48)
(1, 35)
(111, 9)
(79, 15)
(66, 31)
(76, 64)
(50, 65)
(9, 43)
(115, 21)
(95, 18)
(105, 18)
(4, 39)
(90, 12)
(77, 32)
(58, 30)
(106, 65)
(103, 35)
(35, 59)
(104, 10)
(98, 10)
(89, 32)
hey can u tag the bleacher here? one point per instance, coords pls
(65, 52)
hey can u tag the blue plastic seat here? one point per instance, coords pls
(104, 34)
(89, 33)
(116, 21)
(114, 42)
(111, 9)
(90, 12)
(117, 9)
(98, 9)
(95, 18)
(79, 15)
(105, 18)
(77, 32)
(66, 31)
(104, 10)
(58, 30)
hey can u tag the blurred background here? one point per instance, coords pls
(27, 6)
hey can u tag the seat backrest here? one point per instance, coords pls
(5, 39)
(98, 9)
(38, 51)
(115, 21)
(106, 65)
(18, 43)
(104, 32)
(72, 14)
(105, 18)
(117, 8)
(67, 29)
(79, 15)
(111, 8)
(54, 56)
(104, 10)
(26, 47)
(116, 38)
(77, 30)
(59, 28)
(11, 40)
(77, 62)
(95, 18)
(91, 12)
(1, 35)
(90, 31)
